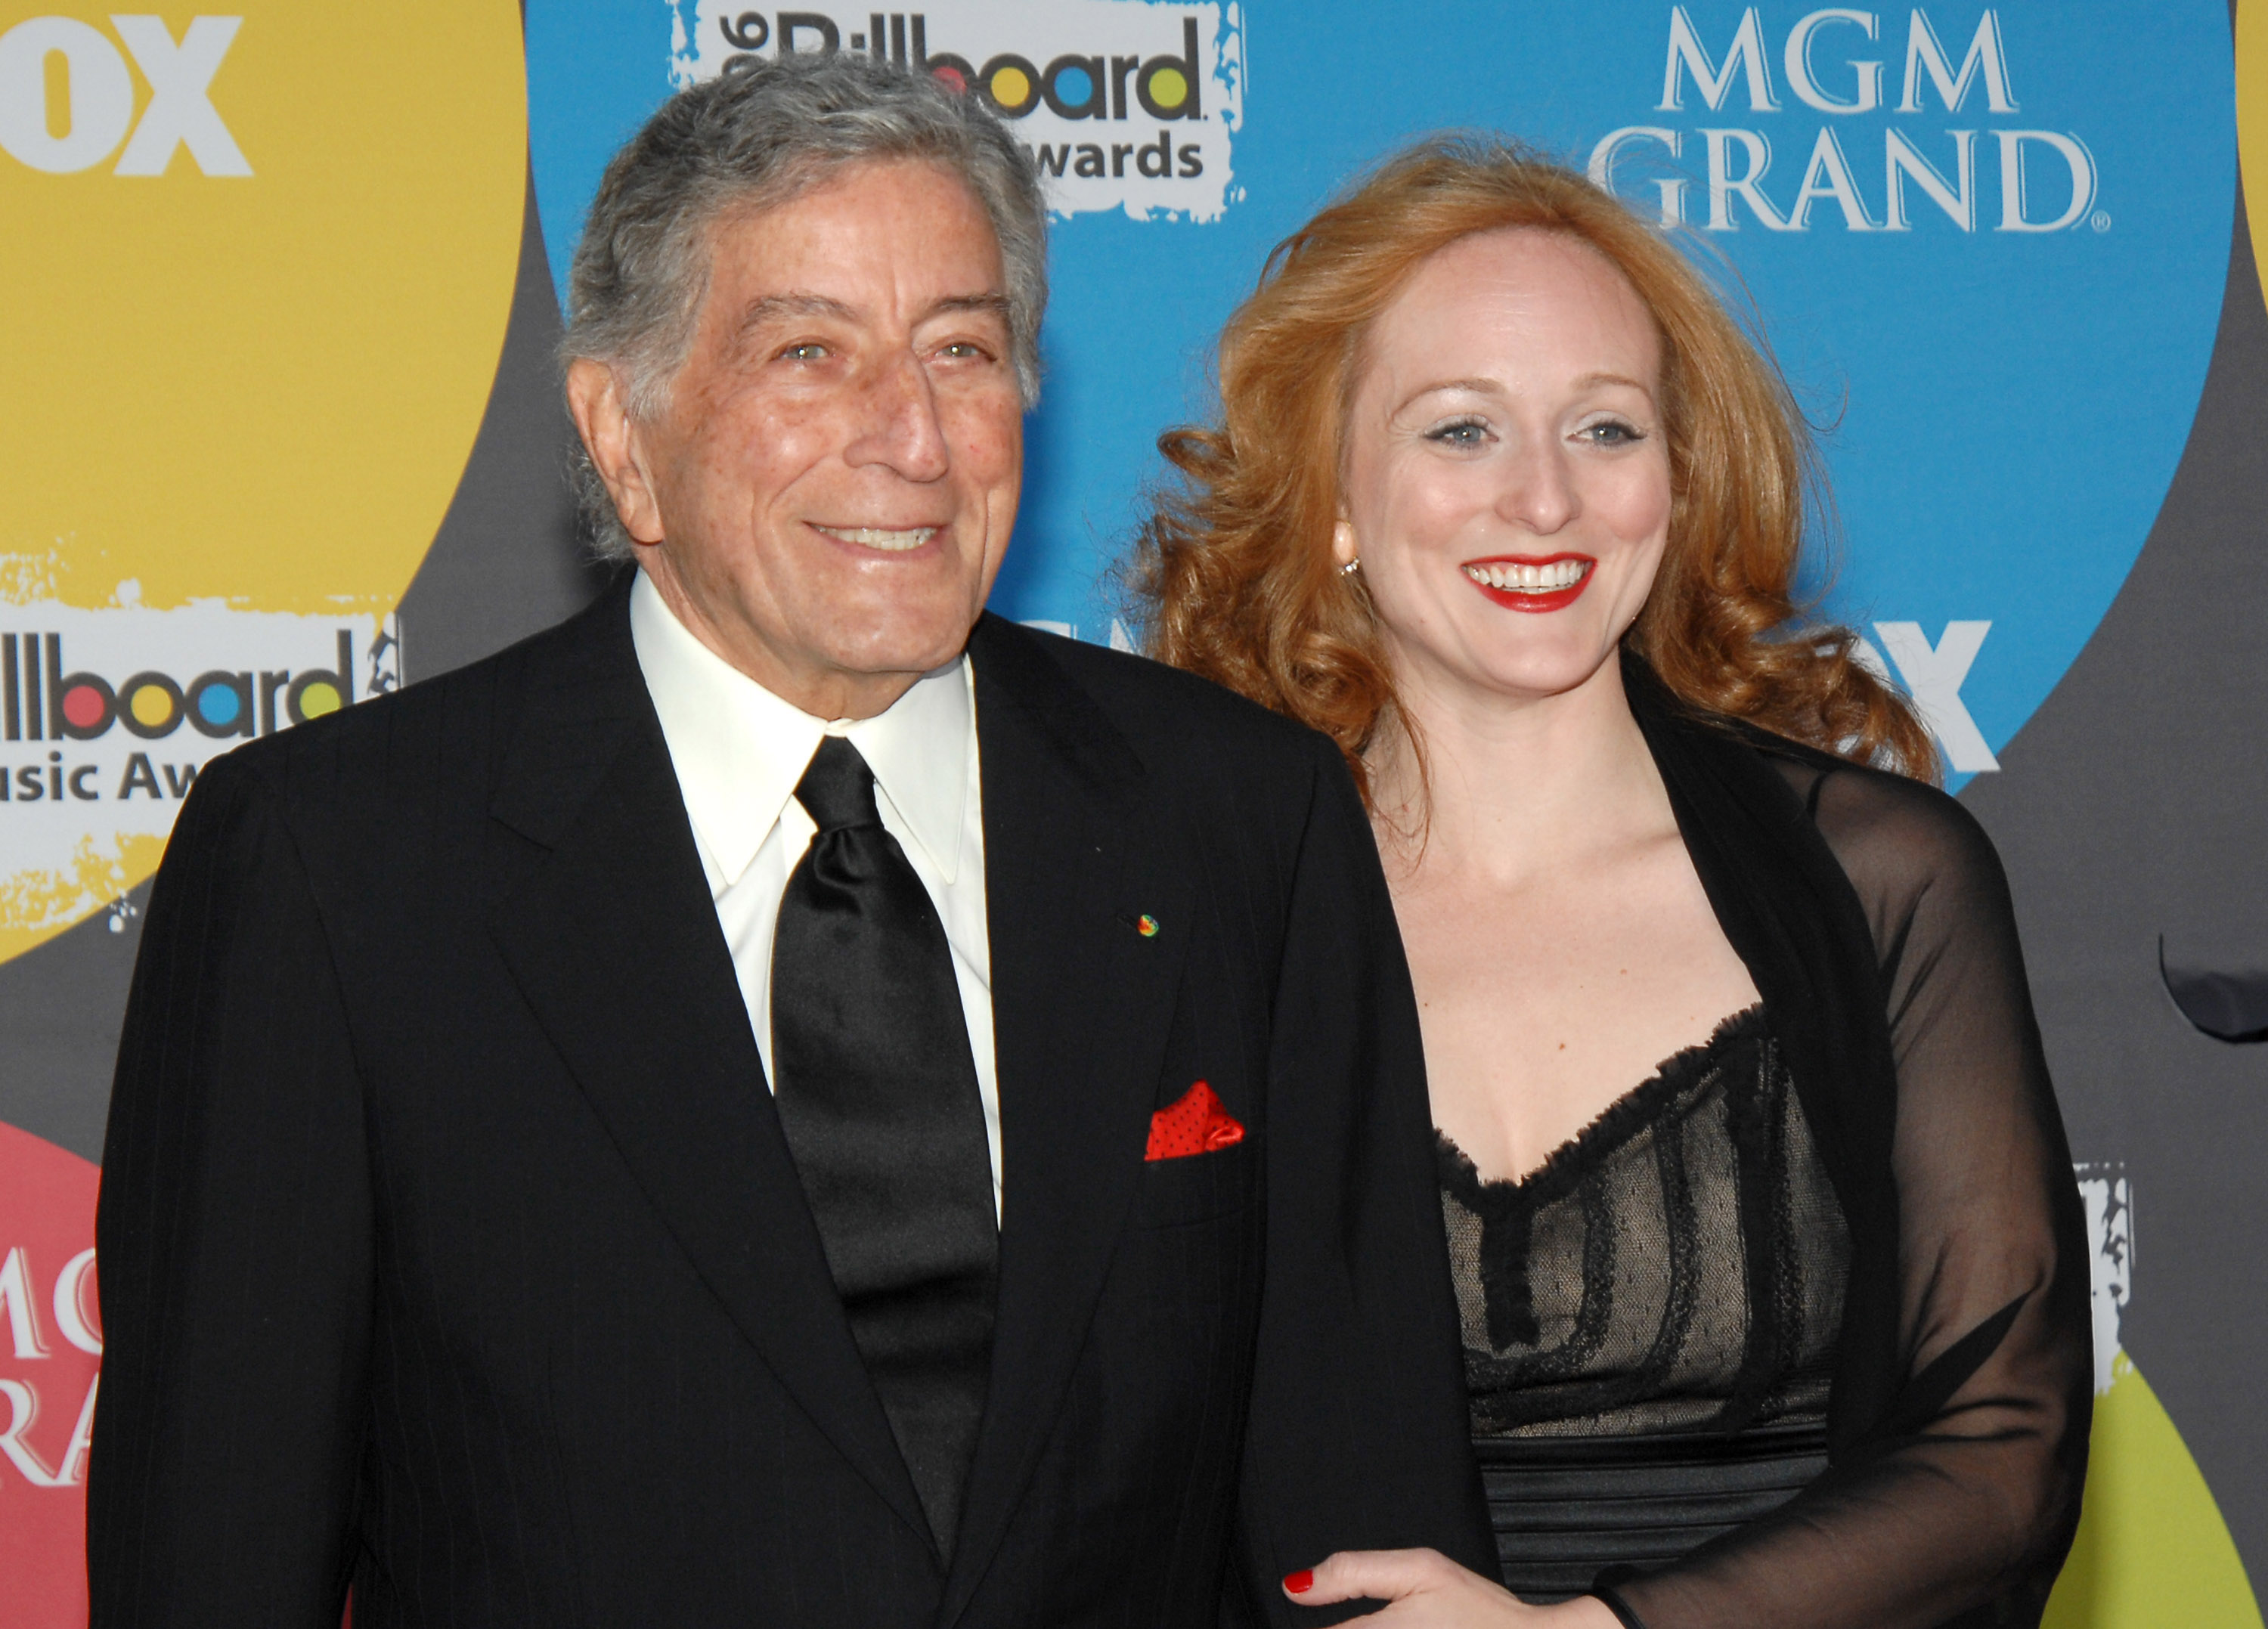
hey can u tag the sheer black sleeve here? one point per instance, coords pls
(1964, 1500)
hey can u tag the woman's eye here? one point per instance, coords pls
(1459, 432)
(1611, 432)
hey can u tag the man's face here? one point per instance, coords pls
(827, 498)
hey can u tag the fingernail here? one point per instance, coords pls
(1300, 1582)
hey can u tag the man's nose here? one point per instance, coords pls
(898, 423)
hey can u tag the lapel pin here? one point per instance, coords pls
(1146, 926)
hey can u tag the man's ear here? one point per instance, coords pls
(611, 436)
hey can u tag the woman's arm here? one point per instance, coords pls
(1969, 1493)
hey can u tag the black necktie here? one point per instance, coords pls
(877, 1092)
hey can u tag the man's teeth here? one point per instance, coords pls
(875, 537)
(1530, 579)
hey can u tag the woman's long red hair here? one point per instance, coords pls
(1236, 565)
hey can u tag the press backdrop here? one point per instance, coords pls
(280, 432)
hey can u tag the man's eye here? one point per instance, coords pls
(963, 350)
(811, 351)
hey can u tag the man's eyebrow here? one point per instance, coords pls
(776, 307)
(991, 301)
(772, 307)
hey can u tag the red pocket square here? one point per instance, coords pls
(1197, 1124)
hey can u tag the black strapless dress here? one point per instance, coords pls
(1650, 1318)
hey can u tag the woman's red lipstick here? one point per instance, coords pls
(1551, 569)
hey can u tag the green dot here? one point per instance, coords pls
(1168, 88)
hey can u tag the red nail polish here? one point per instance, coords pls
(1300, 1582)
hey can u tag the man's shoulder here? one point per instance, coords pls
(449, 734)
(1165, 714)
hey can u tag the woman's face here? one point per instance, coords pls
(1506, 485)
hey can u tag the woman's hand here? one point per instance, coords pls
(1425, 1589)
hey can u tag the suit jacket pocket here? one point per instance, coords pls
(1196, 1187)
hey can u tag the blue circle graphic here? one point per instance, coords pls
(217, 704)
(1073, 86)
(1987, 245)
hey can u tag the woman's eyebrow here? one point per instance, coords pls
(1490, 387)
(1476, 386)
(1590, 379)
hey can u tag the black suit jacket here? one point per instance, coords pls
(450, 1246)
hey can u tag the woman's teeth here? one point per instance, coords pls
(1529, 578)
(874, 537)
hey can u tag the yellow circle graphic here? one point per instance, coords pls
(2252, 120)
(255, 278)
(1011, 88)
(2152, 1549)
(259, 386)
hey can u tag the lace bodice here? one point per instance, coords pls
(1678, 1266)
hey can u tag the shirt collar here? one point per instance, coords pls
(739, 750)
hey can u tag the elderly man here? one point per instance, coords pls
(786, 1099)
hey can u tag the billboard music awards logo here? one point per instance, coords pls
(1829, 63)
(1121, 106)
(107, 716)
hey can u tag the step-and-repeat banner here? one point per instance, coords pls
(279, 424)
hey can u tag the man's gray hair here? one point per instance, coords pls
(754, 140)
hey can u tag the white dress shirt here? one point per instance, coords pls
(738, 751)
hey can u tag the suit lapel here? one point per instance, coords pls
(1081, 1009)
(614, 941)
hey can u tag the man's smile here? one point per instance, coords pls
(895, 540)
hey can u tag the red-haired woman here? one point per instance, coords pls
(1761, 1219)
